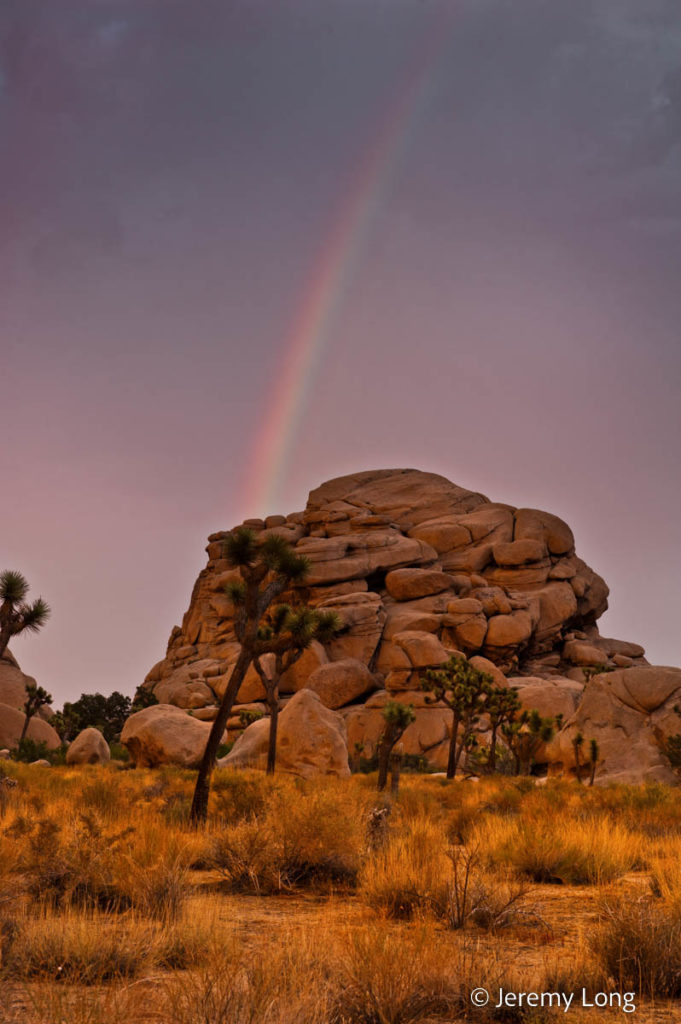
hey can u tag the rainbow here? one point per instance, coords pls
(328, 285)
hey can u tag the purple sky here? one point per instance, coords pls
(169, 174)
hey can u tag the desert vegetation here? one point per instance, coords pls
(322, 901)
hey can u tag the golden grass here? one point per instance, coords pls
(113, 909)
(571, 850)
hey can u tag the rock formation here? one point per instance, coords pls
(12, 700)
(164, 734)
(89, 747)
(311, 740)
(417, 567)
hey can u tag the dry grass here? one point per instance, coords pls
(311, 837)
(639, 945)
(573, 851)
(112, 909)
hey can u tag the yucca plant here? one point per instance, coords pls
(398, 717)
(594, 754)
(287, 634)
(17, 615)
(464, 690)
(36, 698)
(266, 570)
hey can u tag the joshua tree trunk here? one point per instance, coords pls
(5, 631)
(454, 755)
(578, 767)
(24, 729)
(199, 810)
(384, 747)
(395, 766)
(492, 762)
(273, 703)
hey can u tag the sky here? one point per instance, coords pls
(246, 247)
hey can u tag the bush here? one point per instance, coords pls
(304, 838)
(573, 852)
(90, 948)
(119, 752)
(29, 750)
(408, 875)
(639, 945)
(237, 795)
(385, 976)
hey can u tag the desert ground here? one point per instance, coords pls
(321, 901)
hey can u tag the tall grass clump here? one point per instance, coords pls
(90, 948)
(306, 836)
(283, 982)
(639, 945)
(407, 876)
(382, 975)
(591, 851)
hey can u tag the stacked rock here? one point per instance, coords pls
(416, 568)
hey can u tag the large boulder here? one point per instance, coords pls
(165, 734)
(89, 747)
(362, 617)
(630, 713)
(12, 724)
(405, 496)
(407, 584)
(311, 740)
(13, 683)
(341, 682)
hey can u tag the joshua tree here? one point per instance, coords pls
(16, 614)
(397, 718)
(501, 706)
(525, 733)
(36, 698)
(594, 754)
(463, 689)
(577, 744)
(286, 635)
(266, 570)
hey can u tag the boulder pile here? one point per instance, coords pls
(416, 568)
(13, 695)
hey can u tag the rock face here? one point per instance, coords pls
(13, 686)
(416, 568)
(630, 713)
(164, 734)
(311, 740)
(89, 747)
(12, 723)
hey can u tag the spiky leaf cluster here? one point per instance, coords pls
(458, 684)
(398, 716)
(16, 614)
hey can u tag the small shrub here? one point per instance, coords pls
(29, 750)
(305, 838)
(639, 945)
(79, 949)
(407, 875)
(587, 852)
(387, 976)
(119, 752)
(473, 897)
(240, 795)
